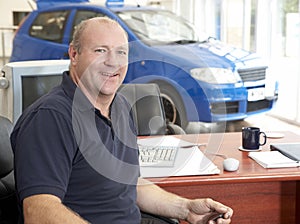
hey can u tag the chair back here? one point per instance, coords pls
(8, 202)
(147, 108)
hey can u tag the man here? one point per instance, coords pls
(76, 157)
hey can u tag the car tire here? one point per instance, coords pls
(173, 105)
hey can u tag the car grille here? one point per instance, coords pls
(259, 105)
(233, 107)
(225, 108)
(252, 74)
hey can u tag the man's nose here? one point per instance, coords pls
(111, 59)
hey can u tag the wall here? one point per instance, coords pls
(6, 25)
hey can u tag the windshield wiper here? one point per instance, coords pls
(183, 41)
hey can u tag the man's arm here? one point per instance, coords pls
(46, 208)
(155, 200)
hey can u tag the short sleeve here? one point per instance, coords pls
(44, 151)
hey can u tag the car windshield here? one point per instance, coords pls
(160, 27)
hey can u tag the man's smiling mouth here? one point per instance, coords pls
(109, 74)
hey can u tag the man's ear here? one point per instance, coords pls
(72, 54)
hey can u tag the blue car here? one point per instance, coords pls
(200, 78)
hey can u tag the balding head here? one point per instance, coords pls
(81, 27)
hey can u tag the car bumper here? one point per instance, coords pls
(231, 104)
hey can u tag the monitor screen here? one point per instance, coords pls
(33, 87)
(26, 82)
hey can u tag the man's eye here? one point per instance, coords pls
(100, 50)
(121, 52)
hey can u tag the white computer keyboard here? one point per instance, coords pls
(162, 156)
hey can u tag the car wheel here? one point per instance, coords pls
(173, 106)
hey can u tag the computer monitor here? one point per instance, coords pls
(21, 83)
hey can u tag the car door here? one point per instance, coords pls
(46, 34)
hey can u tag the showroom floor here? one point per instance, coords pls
(265, 122)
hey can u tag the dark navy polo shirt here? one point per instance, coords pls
(65, 147)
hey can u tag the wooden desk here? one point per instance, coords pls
(257, 195)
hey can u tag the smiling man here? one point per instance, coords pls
(76, 153)
(99, 67)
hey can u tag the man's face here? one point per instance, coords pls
(102, 64)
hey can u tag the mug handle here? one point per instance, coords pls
(265, 138)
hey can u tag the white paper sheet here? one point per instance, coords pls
(189, 161)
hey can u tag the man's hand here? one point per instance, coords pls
(203, 211)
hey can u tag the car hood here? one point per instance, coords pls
(210, 54)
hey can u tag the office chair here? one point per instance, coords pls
(148, 109)
(8, 201)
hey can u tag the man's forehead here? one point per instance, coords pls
(107, 31)
(103, 24)
(111, 35)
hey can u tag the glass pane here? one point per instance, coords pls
(49, 26)
(159, 27)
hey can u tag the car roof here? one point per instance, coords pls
(42, 4)
(56, 4)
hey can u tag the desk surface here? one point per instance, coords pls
(249, 171)
(256, 194)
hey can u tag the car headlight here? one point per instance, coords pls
(214, 75)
